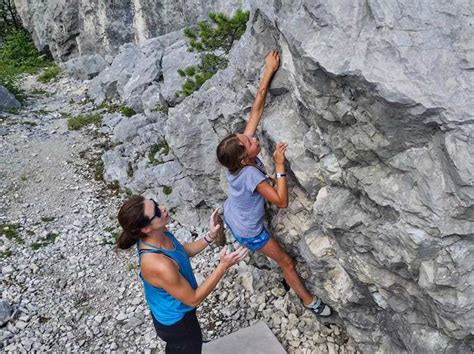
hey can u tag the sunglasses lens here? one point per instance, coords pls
(157, 209)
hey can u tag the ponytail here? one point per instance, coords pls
(127, 240)
(131, 215)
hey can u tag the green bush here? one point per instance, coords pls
(127, 111)
(215, 40)
(76, 123)
(19, 51)
(18, 55)
(49, 74)
(48, 240)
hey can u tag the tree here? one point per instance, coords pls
(9, 19)
(215, 40)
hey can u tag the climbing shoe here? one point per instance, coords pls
(319, 308)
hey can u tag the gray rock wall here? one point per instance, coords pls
(375, 101)
(69, 28)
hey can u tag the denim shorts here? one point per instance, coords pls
(253, 243)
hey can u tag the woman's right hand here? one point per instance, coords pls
(279, 154)
(229, 259)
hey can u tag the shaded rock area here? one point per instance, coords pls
(375, 101)
(7, 100)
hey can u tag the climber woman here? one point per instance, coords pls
(171, 290)
(250, 186)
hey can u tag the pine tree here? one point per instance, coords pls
(215, 40)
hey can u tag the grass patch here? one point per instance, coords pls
(99, 170)
(24, 178)
(163, 108)
(114, 233)
(10, 231)
(114, 108)
(49, 74)
(65, 114)
(18, 55)
(163, 148)
(76, 123)
(167, 190)
(127, 191)
(132, 267)
(114, 186)
(41, 112)
(5, 254)
(130, 169)
(11, 110)
(48, 240)
(127, 111)
(29, 122)
(38, 92)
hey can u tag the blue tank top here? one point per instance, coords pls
(166, 309)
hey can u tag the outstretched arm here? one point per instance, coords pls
(193, 248)
(162, 272)
(272, 61)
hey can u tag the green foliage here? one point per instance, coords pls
(99, 170)
(30, 123)
(129, 169)
(163, 108)
(5, 254)
(10, 231)
(167, 190)
(114, 233)
(49, 74)
(127, 111)
(48, 240)
(163, 148)
(76, 123)
(19, 51)
(114, 108)
(9, 19)
(215, 40)
(18, 55)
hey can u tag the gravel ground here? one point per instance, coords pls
(64, 287)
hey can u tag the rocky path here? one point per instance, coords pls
(64, 287)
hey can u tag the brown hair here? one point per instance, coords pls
(230, 153)
(131, 215)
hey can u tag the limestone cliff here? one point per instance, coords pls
(375, 101)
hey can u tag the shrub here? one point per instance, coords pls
(167, 190)
(19, 51)
(49, 74)
(10, 231)
(18, 55)
(76, 123)
(49, 239)
(215, 40)
(127, 111)
(161, 147)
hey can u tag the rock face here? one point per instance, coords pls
(375, 101)
(7, 100)
(69, 28)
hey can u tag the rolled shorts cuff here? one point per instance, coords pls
(253, 243)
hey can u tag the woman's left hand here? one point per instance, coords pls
(214, 224)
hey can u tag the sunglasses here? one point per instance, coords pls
(156, 214)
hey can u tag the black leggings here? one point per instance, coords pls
(182, 337)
